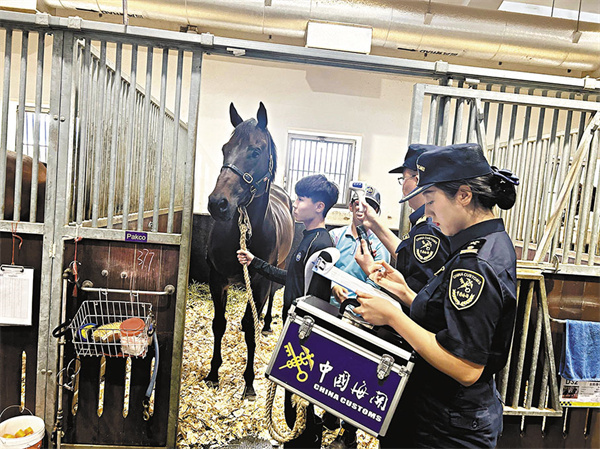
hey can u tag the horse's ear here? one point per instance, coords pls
(261, 116)
(234, 116)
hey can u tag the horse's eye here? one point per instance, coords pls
(255, 152)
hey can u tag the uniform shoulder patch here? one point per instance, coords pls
(425, 247)
(473, 247)
(465, 288)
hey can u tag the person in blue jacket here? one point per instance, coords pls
(461, 322)
(346, 240)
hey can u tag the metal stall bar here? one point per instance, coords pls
(522, 345)
(3, 125)
(116, 97)
(503, 375)
(552, 172)
(145, 138)
(533, 180)
(84, 105)
(20, 128)
(160, 138)
(458, 117)
(433, 114)
(130, 135)
(521, 168)
(184, 254)
(99, 143)
(564, 166)
(176, 119)
(36, 128)
(496, 156)
(586, 201)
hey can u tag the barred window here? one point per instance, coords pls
(334, 156)
(28, 133)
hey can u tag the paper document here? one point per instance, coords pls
(16, 295)
(331, 272)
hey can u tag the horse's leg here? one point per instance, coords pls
(218, 292)
(266, 330)
(260, 292)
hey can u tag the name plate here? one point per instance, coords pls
(136, 237)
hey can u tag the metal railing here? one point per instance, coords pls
(551, 143)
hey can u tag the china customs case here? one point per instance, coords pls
(358, 374)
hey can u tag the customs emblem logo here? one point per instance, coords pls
(465, 288)
(298, 256)
(425, 247)
(304, 358)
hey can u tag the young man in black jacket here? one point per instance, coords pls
(315, 196)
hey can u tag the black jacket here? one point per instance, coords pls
(293, 278)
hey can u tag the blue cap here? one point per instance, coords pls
(413, 152)
(451, 163)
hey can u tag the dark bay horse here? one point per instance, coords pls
(249, 165)
(26, 184)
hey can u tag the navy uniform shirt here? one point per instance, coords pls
(422, 251)
(470, 306)
(293, 278)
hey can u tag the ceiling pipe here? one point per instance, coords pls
(406, 27)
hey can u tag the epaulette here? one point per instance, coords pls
(473, 247)
(405, 236)
(421, 220)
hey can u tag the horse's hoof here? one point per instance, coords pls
(211, 383)
(249, 393)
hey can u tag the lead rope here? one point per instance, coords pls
(279, 434)
(245, 228)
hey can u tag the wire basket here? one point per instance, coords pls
(98, 324)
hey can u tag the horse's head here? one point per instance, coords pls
(249, 164)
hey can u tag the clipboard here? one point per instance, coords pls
(325, 266)
(16, 295)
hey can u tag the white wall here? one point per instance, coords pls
(329, 100)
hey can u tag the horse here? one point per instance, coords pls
(26, 184)
(249, 166)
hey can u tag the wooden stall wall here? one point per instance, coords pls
(127, 266)
(16, 339)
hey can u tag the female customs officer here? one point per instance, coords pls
(461, 322)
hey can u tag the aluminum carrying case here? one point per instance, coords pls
(357, 374)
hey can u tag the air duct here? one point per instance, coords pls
(440, 30)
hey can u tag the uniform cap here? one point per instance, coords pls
(413, 152)
(450, 163)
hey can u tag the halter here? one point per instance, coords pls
(255, 186)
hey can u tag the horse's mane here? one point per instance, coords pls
(247, 127)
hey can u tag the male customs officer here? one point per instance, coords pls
(423, 250)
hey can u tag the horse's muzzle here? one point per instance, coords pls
(220, 208)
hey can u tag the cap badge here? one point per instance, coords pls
(421, 168)
(369, 190)
(425, 247)
(465, 288)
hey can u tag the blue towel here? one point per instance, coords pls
(581, 351)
